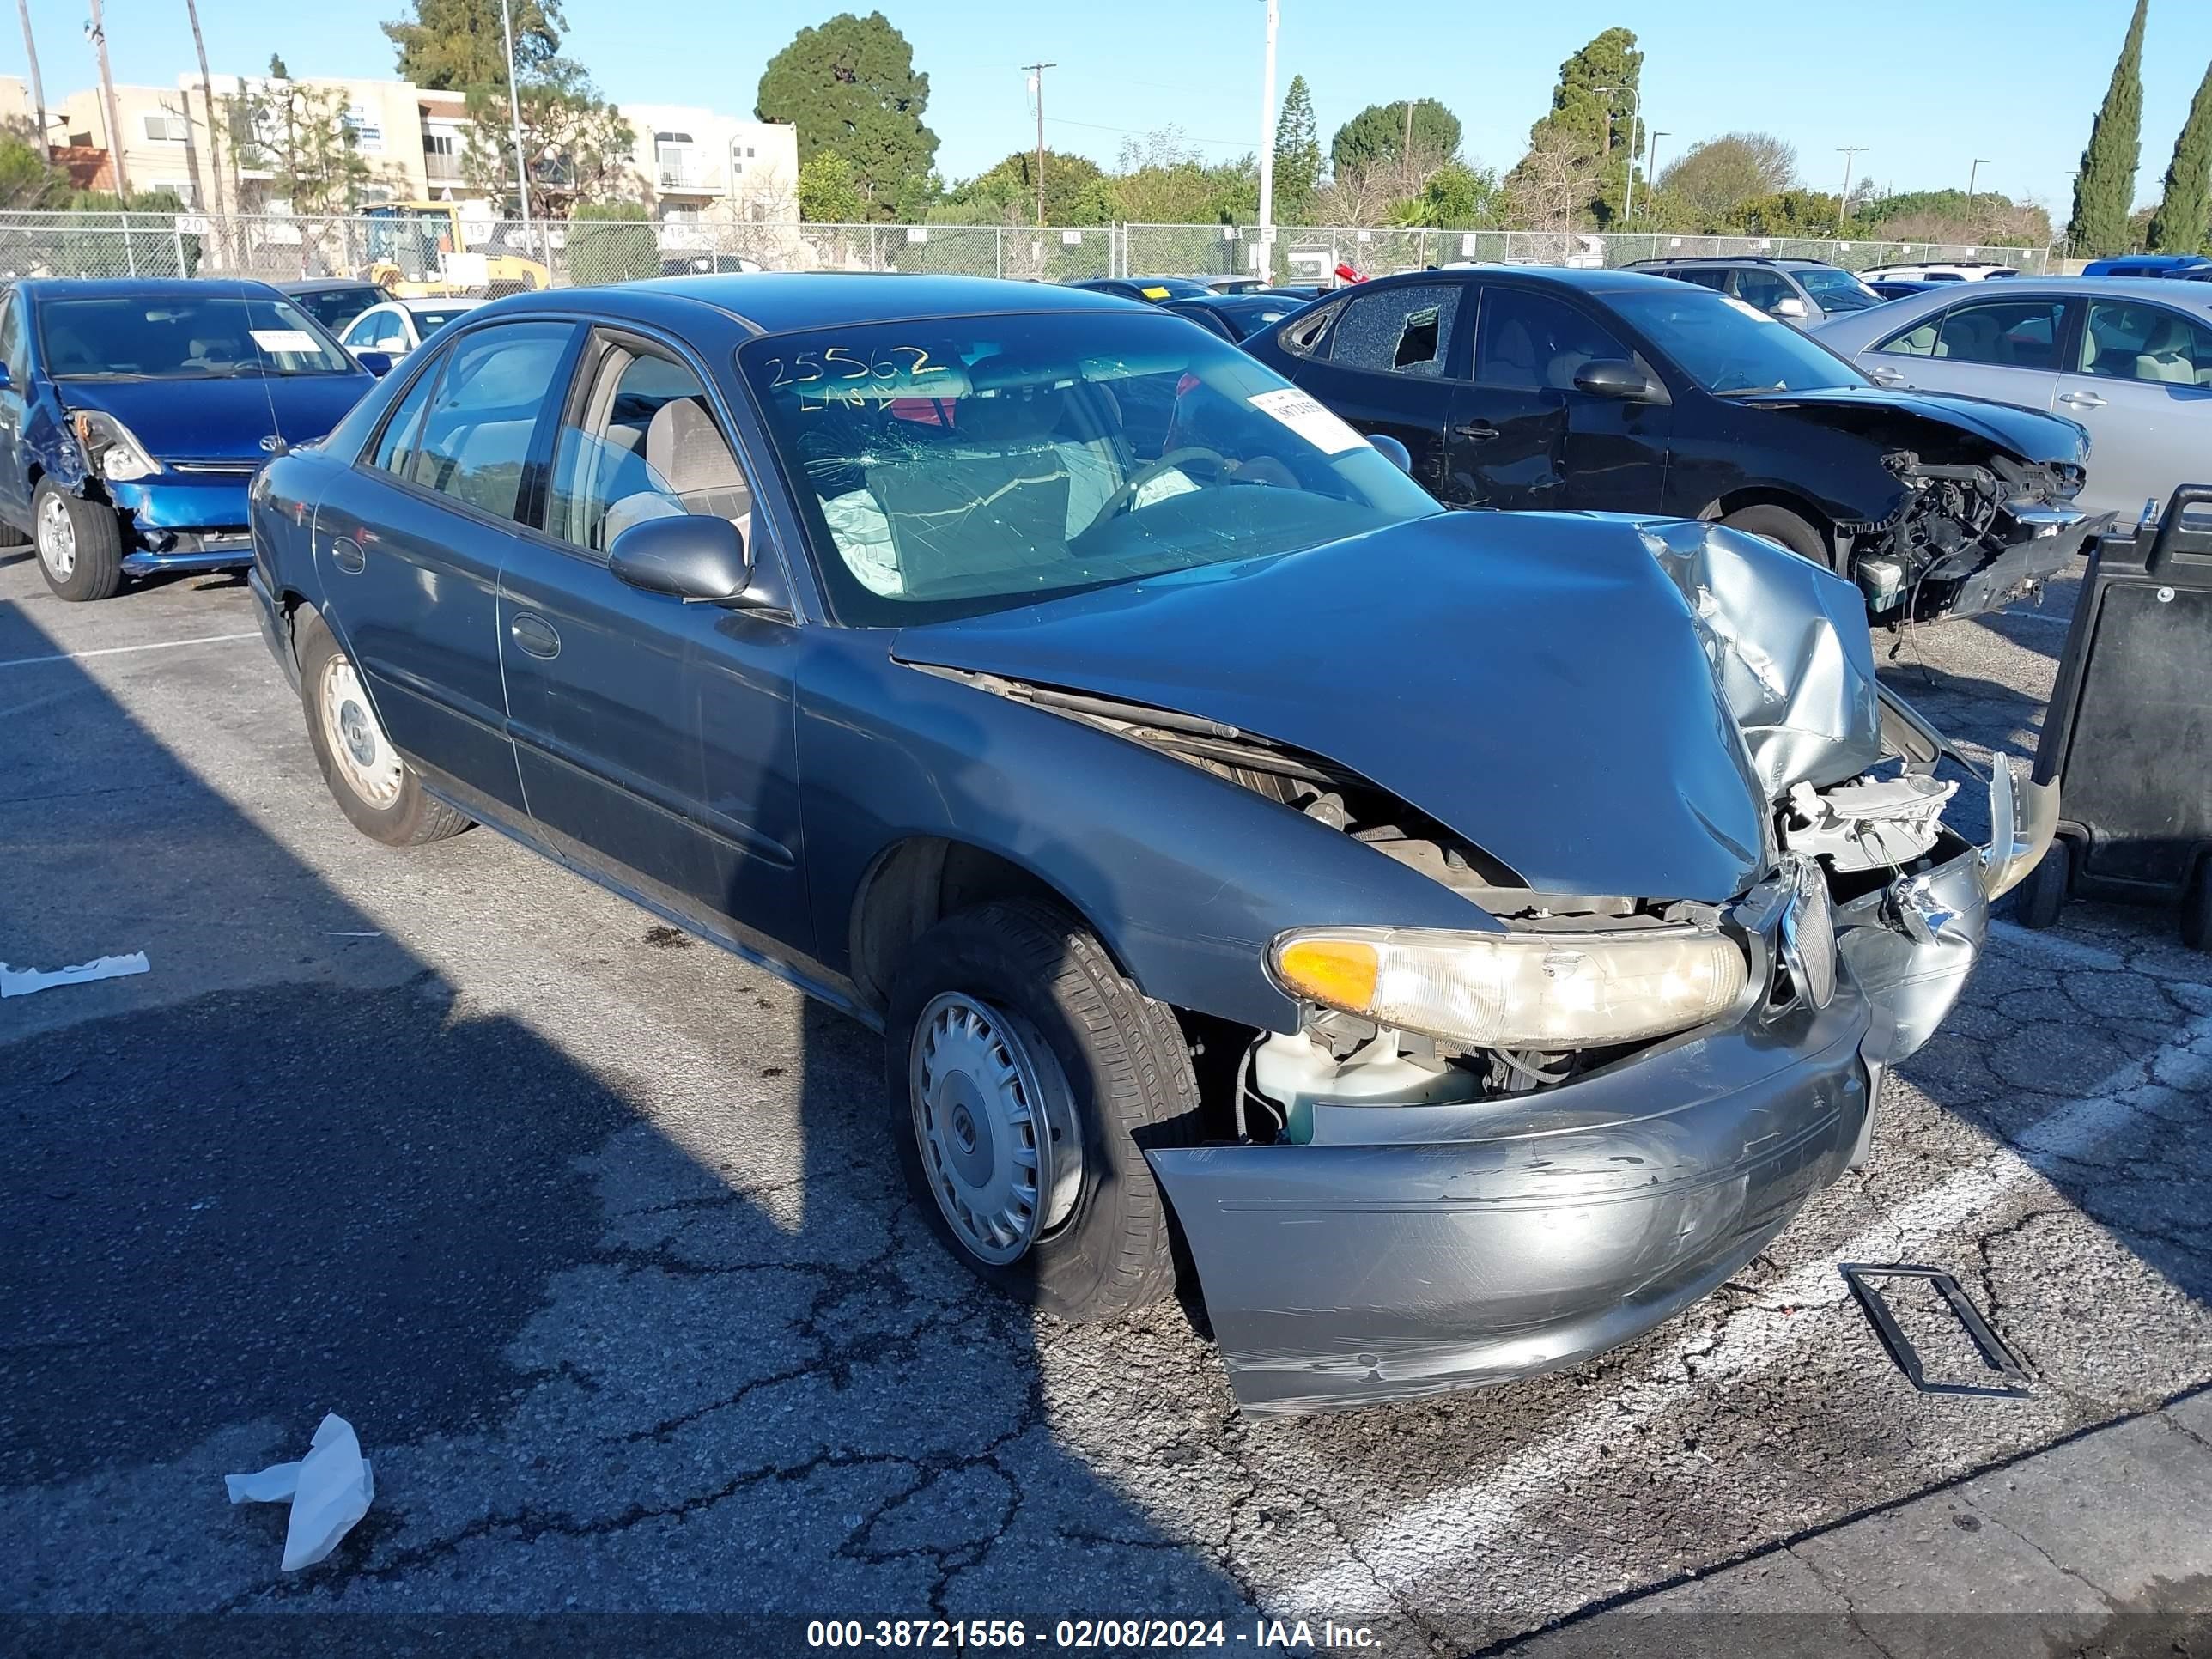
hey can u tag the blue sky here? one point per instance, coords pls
(1926, 86)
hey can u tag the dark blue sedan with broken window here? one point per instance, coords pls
(133, 415)
(1477, 934)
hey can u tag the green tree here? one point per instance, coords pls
(1590, 128)
(1076, 192)
(2183, 223)
(28, 181)
(611, 242)
(1377, 137)
(827, 194)
(850, 86)
(576, 144)
(2105, 191)
(1297, 155)
(455, 44)
(1456, 198)
(1713, 181)
(297, 134)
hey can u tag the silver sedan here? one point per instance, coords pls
(2130, 358)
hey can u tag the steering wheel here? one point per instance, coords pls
(1122, 498)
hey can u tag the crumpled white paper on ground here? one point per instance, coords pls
(22, 981)
(330, 1489)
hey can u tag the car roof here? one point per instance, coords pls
(324, 284)
(1786, 262)
(432, 302)
(775, 302)
(1600, 281)
(2137, 288)
(182, 288)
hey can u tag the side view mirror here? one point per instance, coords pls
(693, 556)
(1393, 451)
(1616, 377)
(1789, 308)
(7, 380)
(378, 363)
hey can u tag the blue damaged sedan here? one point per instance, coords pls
(1477, 935)
(133, 415)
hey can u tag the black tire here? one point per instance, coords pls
(2197, 907)
(410, 817)
(1127, 1074)
(79, 543)
(2043, 895)
(1785, 529)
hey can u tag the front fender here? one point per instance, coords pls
(1185, 876)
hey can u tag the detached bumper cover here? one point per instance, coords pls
(2045, 541)
(1511, 1239)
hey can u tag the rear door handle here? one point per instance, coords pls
(2081, 399)
(346, 554)
(534, 634)
(1476, 432)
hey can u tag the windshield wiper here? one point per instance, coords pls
(108, 374)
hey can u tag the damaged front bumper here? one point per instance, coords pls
(1411, 1250)
(185, 521)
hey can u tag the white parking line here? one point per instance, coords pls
(120, 650)
(1445, 1533)
(2057, 944)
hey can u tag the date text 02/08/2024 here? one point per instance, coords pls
(1081, 1634)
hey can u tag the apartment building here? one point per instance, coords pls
(691, 165)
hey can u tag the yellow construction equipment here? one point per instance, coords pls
(415, 250)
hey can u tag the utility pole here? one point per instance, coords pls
(38, 88)
(98, 35)
(215, 139)
(1850, 153)
(1036, 85)
(1635, 116)
(1267, 142)
(515, 114)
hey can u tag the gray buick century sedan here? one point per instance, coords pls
(1476, 935)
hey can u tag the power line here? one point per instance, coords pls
(1144, 133)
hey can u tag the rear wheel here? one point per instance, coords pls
(80, 543)
(372, 785)
(1785, 529)
(2197, 907)
(1021, 1071)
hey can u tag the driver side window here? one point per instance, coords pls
(1529, 339)
(640, 443)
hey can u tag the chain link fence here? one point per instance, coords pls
(445, 250)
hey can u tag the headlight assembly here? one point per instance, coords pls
(1517, 990)
(110, 447)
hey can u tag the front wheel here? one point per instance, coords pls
(1784, 529)
(372, 785)
(80, 543)
(1021, 1071)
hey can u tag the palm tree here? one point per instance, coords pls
(38, 87)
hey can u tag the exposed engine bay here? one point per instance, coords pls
(1967, 537)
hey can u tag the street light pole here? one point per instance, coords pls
(515, 114)
(1635, 119)
(1651, 158)
(1973, 174)
(1267, 136)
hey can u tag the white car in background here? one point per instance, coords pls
(397, 326)
(1966, 270)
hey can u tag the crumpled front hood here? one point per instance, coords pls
(218, 419)
(1900, 419)
(1536, 682)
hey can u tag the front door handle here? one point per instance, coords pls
(1476, 432)
(2081, 399)
(1885, 375)
(534, 634)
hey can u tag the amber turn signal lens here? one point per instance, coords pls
(1338, 972)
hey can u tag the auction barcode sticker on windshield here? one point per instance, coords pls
(284, 339)
(1299, 412)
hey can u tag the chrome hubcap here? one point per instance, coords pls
(57, 538)
(994, 1123)
(364, 756)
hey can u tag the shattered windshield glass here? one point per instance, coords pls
(1725, 346)
(954, 466)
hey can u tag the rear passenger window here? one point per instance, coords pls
(476, 431)
(1399, 330)
(395, 450)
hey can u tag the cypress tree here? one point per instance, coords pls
(2183, 223)
(2104, 193)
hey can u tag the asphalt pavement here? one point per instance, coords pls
(596, 1237)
